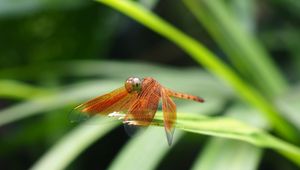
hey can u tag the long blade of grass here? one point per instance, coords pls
(289, 105)
(91, 68)
(233, 155)
(220, 153)
(220, 127)
(242, 47)
(233, 129)
(18, 90)
(151, 143)
(244, 11)
(203, 56)
(71, 145)
(51, 102)
(183, 81)
(204, 86)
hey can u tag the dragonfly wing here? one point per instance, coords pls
(169, 113)
(118, 100)
(144, 107)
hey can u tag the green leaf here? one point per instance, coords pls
(233, 129)
(218, 126)
(91, 68)
(152, 143)
(289, 105)
(244, 11)
(18, 90)
(244, 50)
(220, 153)
(233, 155)
(204, 86)
(72, 144)
(149, 3)
(13, 8)
(51, 102)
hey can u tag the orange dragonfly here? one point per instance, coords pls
(138, 100)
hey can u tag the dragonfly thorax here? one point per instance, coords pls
(133, 84)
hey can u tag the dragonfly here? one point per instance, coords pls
(138, 100)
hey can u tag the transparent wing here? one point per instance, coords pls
(117, 101)
(144, 107)
(169, 113)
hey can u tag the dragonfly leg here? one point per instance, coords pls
(118, 115)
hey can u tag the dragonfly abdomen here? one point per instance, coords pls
(184, 96)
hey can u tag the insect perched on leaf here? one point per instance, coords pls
(138, 100)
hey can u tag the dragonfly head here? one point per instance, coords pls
(133, 84)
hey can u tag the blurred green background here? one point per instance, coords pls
(242, 56)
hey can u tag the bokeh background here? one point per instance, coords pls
(56, 54)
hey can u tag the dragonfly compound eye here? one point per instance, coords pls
(133, 84)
